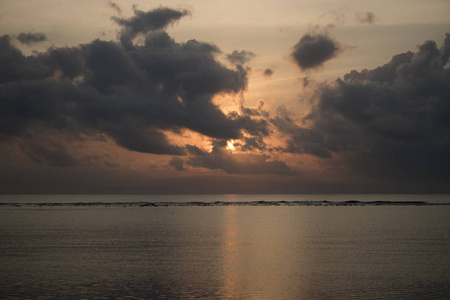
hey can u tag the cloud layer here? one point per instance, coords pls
(146, 88)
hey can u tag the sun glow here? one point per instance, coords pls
(230, 145)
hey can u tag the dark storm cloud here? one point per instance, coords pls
(131, 94)
(30, 38)
(146, 141)
(314, 49)
(268, 72)
(144, 22)
(240, 57)
(301, 140)
(445, 51)
(366, 18)
(253, 126)
(238, 163)
(391, 121)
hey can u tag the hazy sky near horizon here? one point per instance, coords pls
(224, 96)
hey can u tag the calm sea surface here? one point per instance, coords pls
(224, 252)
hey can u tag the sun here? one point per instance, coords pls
(230, 145)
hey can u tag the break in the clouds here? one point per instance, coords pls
(240, 57)
(129, 93)
(31, 38)
(389, 121)
(314, 49)
(238, 163)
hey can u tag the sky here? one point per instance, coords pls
(224, 96)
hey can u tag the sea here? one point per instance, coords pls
(225, 246)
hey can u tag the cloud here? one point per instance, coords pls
(130, 94)
(177, 163)
(389, 121)
(251, 144)
(31, 38)
(268, 73)
(54, 154)
(340, 16)
(258, 111)
(366, 18)
(144, 22)
(240, 57)
(115, 7)
(445, 50)
(145, 141)
(314, 49)
(301, 140)
(235, 163)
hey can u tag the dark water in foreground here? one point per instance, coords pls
(225, 252)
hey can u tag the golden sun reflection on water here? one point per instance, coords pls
(258, 260)
(230, 249)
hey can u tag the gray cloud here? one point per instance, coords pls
(144, 22)
(252, 143)
(235, 163)
(314, 49)
(131, 94)
(30, 38)
(114, 6)
(146, 141)
(177, 163)
(445, 50)
(389, 121)
(258, 111)
(240, 57)
(268, 72)
(54, 154)
(366, 18)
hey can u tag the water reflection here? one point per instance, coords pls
(230, 248)
(227, 252)
(261, 254)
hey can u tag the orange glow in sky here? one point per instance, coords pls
(303, 94)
